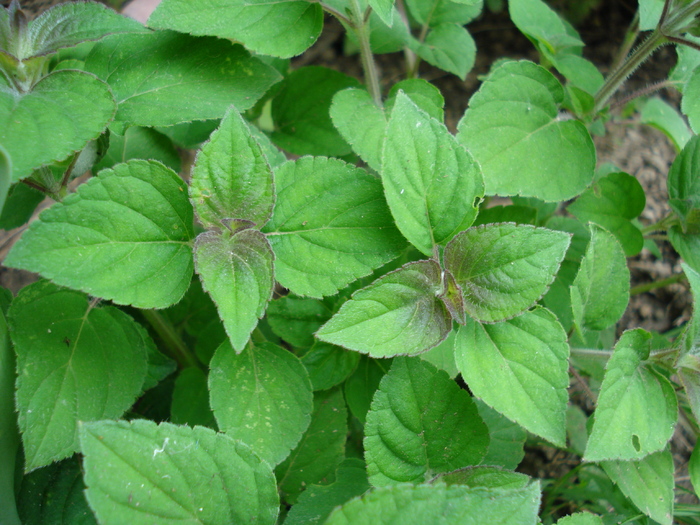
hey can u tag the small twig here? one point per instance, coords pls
(581, 381)
(647, 287)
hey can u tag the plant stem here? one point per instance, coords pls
(647, 287)
(633, 61)
(630, 38)
(591, 352)
(174, 344)
(412, 59)
(361, 27)
(333, 11)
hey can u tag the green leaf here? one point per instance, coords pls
(320, 450)
(139, 472)
(62, 112)
(384, 10)
(520, 368)
(516, 214)
(436, 12)
(5, 176)
(190, 404)
(442, 356)
(361, 123)
(300, 111)
(537, 21)
(9, 435)
(690, 103)
(295, 319)
(55, 494)
(649, 483)
(236, 269)
(139, 143)
(601, 290)
(262, 397)
(612, 202)
(684, 183)
(159, 365)
(360, 387)
(398, 314)
(687, 245)
(506, 448)
(152, 74)
(19, 206)
(231, 178)
(330, 226)
(503, 269)
(637, 406)
(124, 235)
(664, 117)
(449, 47)
(485, 476)
(75, 363)
(580, 518)
(329, 365)
(432, 184)
(283, 29)
(423, 94)
(410, 504)
(70, 24)
(421, 424)
(688, 60)
(694, 469)
(318, 501)
(515, 116)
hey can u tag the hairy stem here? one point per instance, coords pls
(174, 344)
(647, 287)
(361, 27)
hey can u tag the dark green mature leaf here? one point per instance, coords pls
(236, 268)
(506, 448)
(300, 111)
(62, 112)
(600, 292)
(330, 226)
(648, 483)
(485, 476)
(19, 206)
(447, 46)
(284, 29)
(54, 494)
(637, 406)
(520, 368)
(318, 501)
(190, 404)
(436, 12)
(398, 314)
(329, 365)
(684, 182)
(443, 356)
(124, 235)
(612, 202)
(360, 387)
(262, 397)
(503, 269)
(152, 74)
(231, 178)
(139, 472)
(75, 363)
(5, 175)
(321, 449)
(694, 469)
(515, 116)
(361, 123)
(581, 518)
(420, 424)
(410, 504)
(431, 183)
(9, 435)
(295, 319)
(139, 143)
(70, 24)
(687, 245)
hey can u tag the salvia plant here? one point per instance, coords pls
(326, 320)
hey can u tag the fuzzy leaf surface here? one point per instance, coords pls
(637, 406)
(62, 113)
(410, 504)
(295, 319)
(75, 363)
(529, 354)
(612, 202)
(420, 424)
(684, 182)
(449, 47)
(321, 449)
(9, 433)
(139, 143)
(236, 269)
(506, 448)
(503, 269)
(514, 116)
(329, 365)
(123, 235)
(139, 472)
(398, 314)
(600, 292)
(330, 226)
(648, 483)
(231, 178)
(283, 29)
(262, 397)
(431, 183)
(152, 74)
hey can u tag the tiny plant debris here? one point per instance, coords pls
(328, 320)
